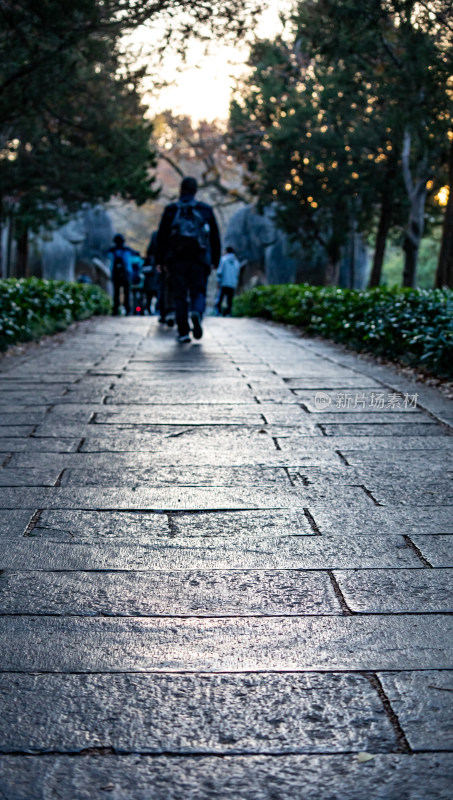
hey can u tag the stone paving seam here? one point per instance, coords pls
(339, 594)
(312, 522)
(417, 551)
(34, 521)
(401, 738)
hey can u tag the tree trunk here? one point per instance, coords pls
(414, 232)
(410, 262)
(385, 221)
(416, 190)
(22, 254)
(332, 270)
(444, 275)
(9, 247)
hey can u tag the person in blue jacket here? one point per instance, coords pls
(121, 272)
(228, 279)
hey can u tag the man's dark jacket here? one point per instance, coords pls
(163, 250)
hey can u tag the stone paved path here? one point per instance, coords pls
(214, 584)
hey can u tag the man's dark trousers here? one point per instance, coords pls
(228, 292)
(116, 296)
(189, 279)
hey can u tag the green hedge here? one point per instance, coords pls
(31, 307)
(411, 326)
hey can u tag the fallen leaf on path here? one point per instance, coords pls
(362, 757)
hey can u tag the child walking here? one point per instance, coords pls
(228, 279)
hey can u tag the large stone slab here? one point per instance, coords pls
(309, 491)
(397, 591)
(141, 528)
(215, 552)
(168, 594)
(21, 398)
(16, 431)
(422, 702)
(13, 523)
(183, 714)
(408, 520)
(356, 383)
(118, 527)
(427, 492)
(438, 549)
(187, 393)
(290, 442)
(194, 457)
(21, 415)
(406, 459)
(243, 523)
(174, 498)
(82, 644)
(292, 777)
(30, 477)
(180, 475)
(383, 429)
(370, 417)
(120, 422)
(31, 445)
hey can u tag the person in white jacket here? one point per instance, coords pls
(228, 279)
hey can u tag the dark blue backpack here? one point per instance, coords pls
(189, 232)
(119, 272)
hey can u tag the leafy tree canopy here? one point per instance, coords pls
(347, 113)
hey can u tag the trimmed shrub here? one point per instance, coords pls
(30, 308)
(411, 326)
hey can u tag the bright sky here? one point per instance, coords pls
(202, 86)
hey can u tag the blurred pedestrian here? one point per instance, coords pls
(137, 282)
(151, 277)
(228, 279)
(121, 273)
(188, 244)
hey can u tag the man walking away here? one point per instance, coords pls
(121, 272)
(188, 244)
(228, 279)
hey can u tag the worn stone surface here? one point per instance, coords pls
(175, 498)
(182, 476)
(168, 594)
(211, 585)
(422, 701)
(304, 777)
(425, 428)
(438, 549)
(214, 551)
(82, 644)
(407, 521)
(397, 592)
(13, 525)
(193, 713)
(30, 445)
(30, 477)
(143, 528)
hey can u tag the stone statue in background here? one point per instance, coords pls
(272, 258)
(79, 247)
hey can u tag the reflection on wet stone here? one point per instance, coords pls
(210, 585)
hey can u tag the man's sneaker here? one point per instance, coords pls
(183, 339)
(196, 322)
